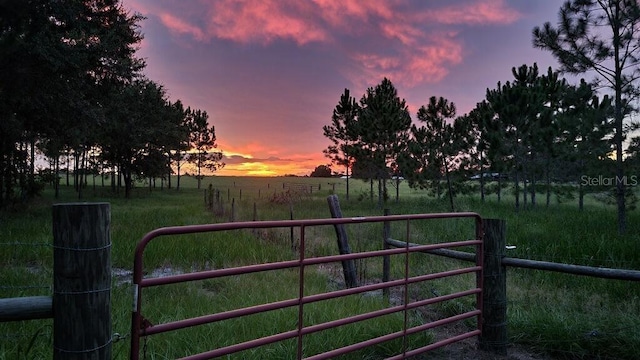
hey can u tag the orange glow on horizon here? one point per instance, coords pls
(257, 159)
(252, 169)
(270, 168)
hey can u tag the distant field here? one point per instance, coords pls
(562, 315)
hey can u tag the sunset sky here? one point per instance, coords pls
(270, 72)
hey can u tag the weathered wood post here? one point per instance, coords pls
(219, 205)
(348, 266)
(81, 281)
(494, 297)
(386, 259)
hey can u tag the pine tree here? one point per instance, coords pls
(517, 104)
(202, 140)
(383, 131)
(432, 145)
(602, 36)
(585, 129)
(343, 133)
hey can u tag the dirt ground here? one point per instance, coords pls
(468, 350)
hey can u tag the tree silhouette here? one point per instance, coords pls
(484, 137)
(431, 147)
(135, 129)
(516, 105)
(343, 133)
(61, 63)
(202, 139)
(585, 131)
(602, 36)
(321, 171)
(554, 90)
(383, 131)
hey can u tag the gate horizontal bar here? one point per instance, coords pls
(201, 320)
(210, 274)
(393, 336)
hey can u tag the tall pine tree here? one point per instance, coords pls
(601, 36)
(383, 131)
(343, 133)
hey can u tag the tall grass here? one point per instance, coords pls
(566, 316)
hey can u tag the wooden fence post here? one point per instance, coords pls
(348, 266)
(494, 297)
(81, 281)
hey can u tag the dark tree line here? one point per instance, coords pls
(72, 92)
(534, 130)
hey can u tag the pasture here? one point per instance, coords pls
(562, 316)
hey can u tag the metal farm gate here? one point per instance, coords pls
(142, 327)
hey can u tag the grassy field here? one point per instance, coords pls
(560, 315)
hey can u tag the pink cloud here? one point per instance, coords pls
(480, 12)
(407, 34)
(344, 14)
(265, 21)
(423, 63)
(407, 42)
(179, 26)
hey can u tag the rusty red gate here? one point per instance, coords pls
(142, 327)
